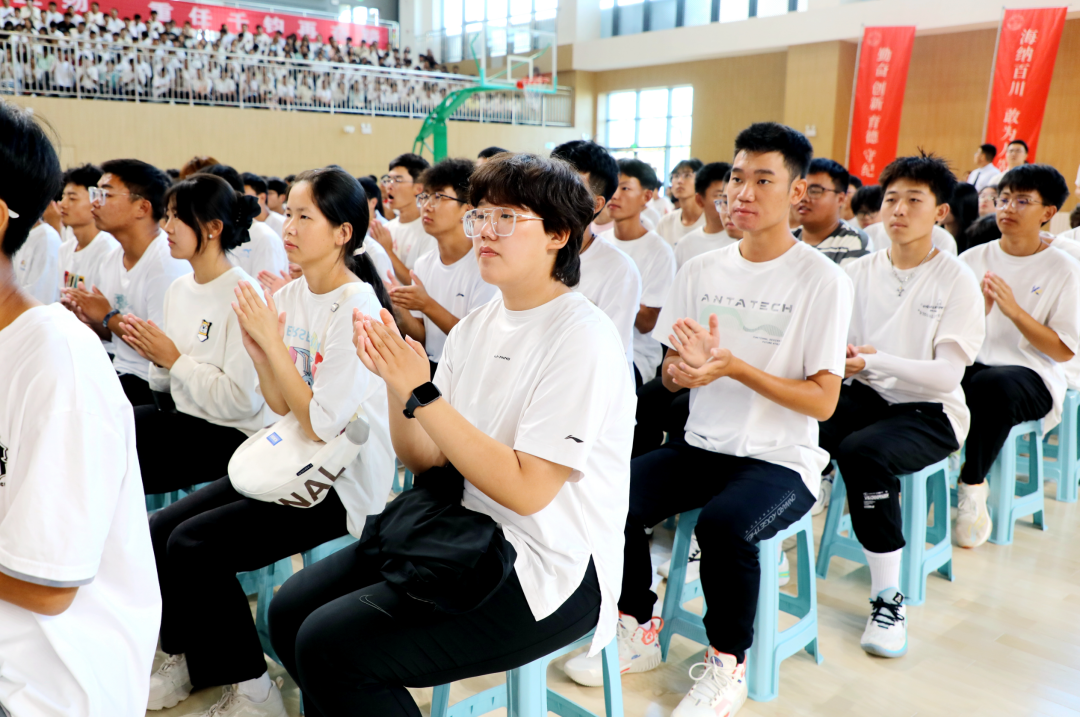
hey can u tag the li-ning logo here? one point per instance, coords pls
(504, 358)
(575, 439)
(1037, 290)
(462, 295)
(3, 465)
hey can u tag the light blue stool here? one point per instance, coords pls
(397, 482)
(771, 645)
(1065, 469)
(1009, 500)
(526, 693)
(918, 491)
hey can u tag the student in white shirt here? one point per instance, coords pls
(819, 212)
(404, 237)
(981, 176)
(257, 187)
(709, 186)
(866, 205)
(36, 263)
(1032, 330)
(676, 224)
(277, 191)
(300, 341)
(446, 284)
(751, 442)
(128, 203)
(78, 600)
(375, 250)
(82, 257)
(265, 251)
(917, 324)
(551, 472)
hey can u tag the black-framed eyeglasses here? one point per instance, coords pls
(435, 199)
(816, 191)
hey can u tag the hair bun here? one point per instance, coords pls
(247, 208)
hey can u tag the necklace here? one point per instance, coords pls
(902, 281)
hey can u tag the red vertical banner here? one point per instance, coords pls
(1027, 50)
(884, 56)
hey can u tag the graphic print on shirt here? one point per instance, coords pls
(121, 303)
(204, 330)
(3, 464)
(72, 281)
(767, 321)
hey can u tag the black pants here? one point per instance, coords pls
(873, 443)
(177, 450)
(658, 411)
(999, 397)
(137, 390)
(353, 643)
(200, 543)
(743, 501)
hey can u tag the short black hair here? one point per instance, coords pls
(86, 176)
(836, 171)
(793, 146)
(709, 173)
(257, 183)
(989, 151)
(639, 170)
(693, 164)
(1041, 178)
(289, 178)
(1020, 142)
(275, 184)
(227, 173)
(550, 188)
(202, 198)
(31, 175)
(413, 163)
(592, 159)
(174, 173)
(142, 179)
(489, 152)
(1074, 217)
(982, 231)
(371, 189)
(867, 199)
(964, 205)
(854, 181)
(453, 173)
(928, 169)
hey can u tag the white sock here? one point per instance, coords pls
(257, 690)
(884, 571)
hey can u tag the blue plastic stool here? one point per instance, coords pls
(918, 491)
(397, 482)
(1065, 469)
(771, 645)
(526, 693)
(1009, 500)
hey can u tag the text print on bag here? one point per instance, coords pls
(314, 488)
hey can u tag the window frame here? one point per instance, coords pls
(636, 148)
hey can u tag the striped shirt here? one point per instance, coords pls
(845, 244)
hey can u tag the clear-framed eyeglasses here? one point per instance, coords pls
(391, 179)
(718, 203)
(435, 199)
(100, 196)
(502, 220)
(1020, 203)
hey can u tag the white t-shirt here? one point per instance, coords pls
(1047, 286)
(698, 242)
(1071, 368)
(72, 514)
(458, 288)
(942, 303)
(276, 222)
(326, 358)
(140, 291)
(660, 204)
(214, 378)
(506, 373)
(879, 238)
(264, 251)
(1072, 235)
(655, 261)
(379, 257)
(788, 317)
(85, 265)
(36, 264)
(410, 240)
(611, 280)
(671, 228)
(980, 178)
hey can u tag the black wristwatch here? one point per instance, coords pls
(421, 396)
(108, 318)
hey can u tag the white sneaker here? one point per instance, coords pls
(785, 569)
(639, 651)
(234, 704)
(693, 563)
(170, 685)
(886, 630)
(719, 689)
(973, 524)
(824, 494)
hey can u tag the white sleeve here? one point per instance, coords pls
(657, 278)
(830, 315)
(43, 266)
(941, 374)
(340, 382)
(678, 305)
(158, 376)
(229, 392)
(1064, 316)
(156, 290)
(621, 301)
(964, 320)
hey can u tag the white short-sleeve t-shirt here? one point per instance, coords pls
(85, 265)
(1046, 285)
(458, 288)
(410, 240)
(325, 356)
(72, 514)
(1071, 368)
(671, 228)
(879, 239)
(510, 374)
(276, 222)
(37, 264)
(611, 280)
(788, 317)
(655, 260)
(264, 251)
(379, 257)
(698, 242)
(941, 303)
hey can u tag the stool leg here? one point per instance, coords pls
(613, 700)
(676, 582)
(913, 508)
(832, 524)
(527, 691)
(763, 674)
(939, 490)
(807, 590)
(1002, 489)
(440, 701)
(1035, 475)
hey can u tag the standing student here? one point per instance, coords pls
(917, 324)
(676, 224)
(257, 187)
(709, 189)
(551, 472)
(984, 171)
(204, 380)
(1032, 328)
(404, 237)
(203, 540)
(1016, 154)
(78, 603)
(751, 444)
(264, 250)
(128, 203)
(822, 225)
(446, 284)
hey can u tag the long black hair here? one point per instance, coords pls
(202, 198)
(342, 201)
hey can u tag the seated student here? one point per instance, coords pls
(609, 278)
(204, 380)
(987, 201)
(822, 226)
(446, 284)
(963, 211)
(257, 187)
(82, 257)
(676, 224)
(1016, 154)
(37, 261)
(1073, 232)
(866, 205)
(78, 603)
(847, 213)
(552, 472)
(751, 442)
(878, 239)
(264, 250)
(374, 249)
(404, 237)
(488, 153)
(1032, 328)
(276, 192)
(203, 540)
(905, 409)
(128, 203)
(709, 189)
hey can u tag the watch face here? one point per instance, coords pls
(426, 393)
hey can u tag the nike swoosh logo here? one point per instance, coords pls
(575, 439)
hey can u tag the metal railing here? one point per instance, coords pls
(83, 69)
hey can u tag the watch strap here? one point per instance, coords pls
(414, 401)
(108, 318)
